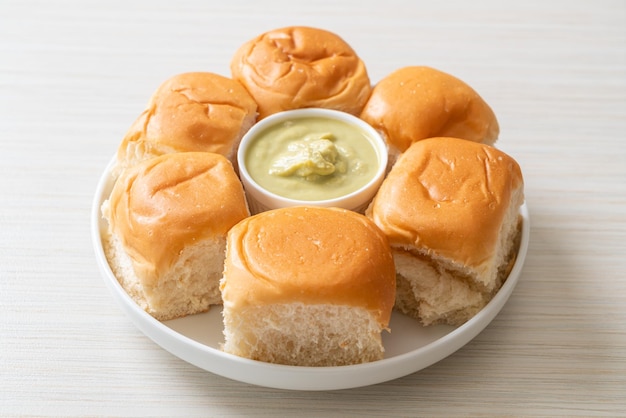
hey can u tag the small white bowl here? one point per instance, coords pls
(260, 199)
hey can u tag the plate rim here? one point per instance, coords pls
(287, 377)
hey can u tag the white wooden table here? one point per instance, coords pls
(74, 75)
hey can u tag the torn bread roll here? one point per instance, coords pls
(167, 224)
(196, 111)
(298, 66)
(307, 286)
(450, 209)
(417, 102)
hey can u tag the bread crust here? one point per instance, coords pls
(449, 197)
(195, 111)
(418, 102)
(309, 255)
(298, 66)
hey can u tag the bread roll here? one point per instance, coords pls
(168, 218)
(307, 286)
(450, 209)
(414, 103)
(196, 111)
(296, 67)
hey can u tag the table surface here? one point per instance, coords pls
(74, 76)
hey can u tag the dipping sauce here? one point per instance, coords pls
(312, 158)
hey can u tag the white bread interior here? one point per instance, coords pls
(190, 286)
(437, 290)
(304, 334)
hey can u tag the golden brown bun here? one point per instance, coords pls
(307, 286)
(450, 210)
(196, 111)
(414, 103)
(310, 255)
(296, 67)
(168, 218)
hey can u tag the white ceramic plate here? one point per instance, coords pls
(195, 339)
